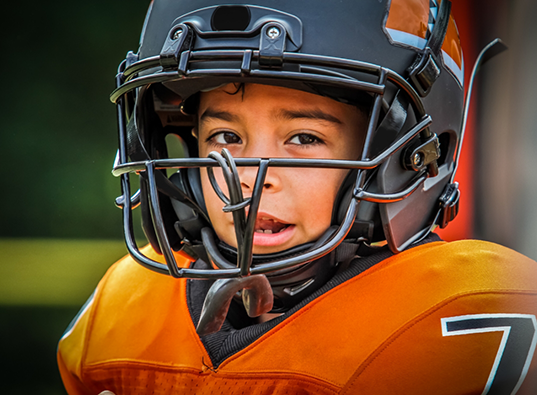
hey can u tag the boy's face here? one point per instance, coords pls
(268, 121)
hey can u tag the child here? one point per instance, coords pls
(290, 242)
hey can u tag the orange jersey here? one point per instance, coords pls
(440, 318)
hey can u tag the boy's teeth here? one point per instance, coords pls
(269, 226)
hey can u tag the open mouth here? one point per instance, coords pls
(269, 226)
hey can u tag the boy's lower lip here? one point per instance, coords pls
(274, 239)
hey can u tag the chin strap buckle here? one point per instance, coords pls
(449, 204)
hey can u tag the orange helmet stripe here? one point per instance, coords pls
(408, 24)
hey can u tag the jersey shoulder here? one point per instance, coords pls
(468, 320)
(468, 264)
(130, 310)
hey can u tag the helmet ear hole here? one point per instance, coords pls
(444, 140)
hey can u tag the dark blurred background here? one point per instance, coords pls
(59, 227)
(58, 126)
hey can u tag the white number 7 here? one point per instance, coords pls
(516, 349)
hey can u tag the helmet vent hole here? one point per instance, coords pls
(230, 18)
(444, 139)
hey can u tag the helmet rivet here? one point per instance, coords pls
(273, 32)
(176, 34)
(417, 159)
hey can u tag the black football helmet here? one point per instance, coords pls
(403, 61)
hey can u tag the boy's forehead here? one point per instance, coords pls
(249, 91)
(226, 102)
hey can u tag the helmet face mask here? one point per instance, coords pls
(391, 192)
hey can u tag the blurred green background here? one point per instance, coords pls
(59, 227)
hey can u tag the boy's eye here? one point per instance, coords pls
(226, 138)
(304, 139)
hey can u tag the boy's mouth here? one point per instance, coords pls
(271, 233)
(269, 225)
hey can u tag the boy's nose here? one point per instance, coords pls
(248, 176)
(261, 148)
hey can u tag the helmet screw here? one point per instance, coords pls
(273, 32)
(177, 34)
(417, 159)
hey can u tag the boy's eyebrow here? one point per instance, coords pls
(314, 114)
(221, 115)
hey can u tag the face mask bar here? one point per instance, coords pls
(128, 80)
(236, 204)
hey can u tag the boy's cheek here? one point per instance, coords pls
(212, 201)
(312, 180)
